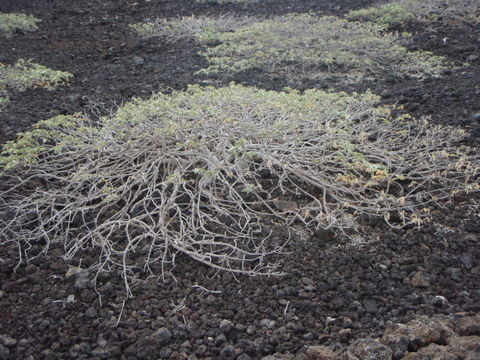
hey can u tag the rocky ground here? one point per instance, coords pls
(336, 298)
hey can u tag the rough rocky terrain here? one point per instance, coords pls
(338, 300)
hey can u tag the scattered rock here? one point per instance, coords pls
(162, 336)
(368, 349)
(8, 341)
(228, 352)
(320, 353)
(468, 326)
(225, 326)
(82, 280)
(420, 280)
(268, 323)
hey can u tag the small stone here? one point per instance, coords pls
(38, 277)
(371, 307)
(472, 57)
(420, 280)
(8, 341)
(225, 326)
(220, 340)
(201, 350)
(243, 357)
(329, 321)
(82, 280)
(211, 299)
(91, 312)
(268, 323)
(344, 335)
(162, 336)
(308, 336)
(137, 61)
(228, 352)
(439, 301)
(320, 353)
(165, 353)
(467, 261)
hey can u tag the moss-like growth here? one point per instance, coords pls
(310, 46)
(9, 23)
(26, 74)
(206, 172)
(386, 15)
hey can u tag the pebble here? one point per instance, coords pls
(228, 352)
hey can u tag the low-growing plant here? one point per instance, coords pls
(204, 28)
(385, 15)
(399, 11)
(306, 45)
(209, 172)
(26, 74)
(10, 23)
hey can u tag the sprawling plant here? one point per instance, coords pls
(211, 172)
(9, 23)
(26, 74)
(204, 28)
(398, 12)
(306, 45)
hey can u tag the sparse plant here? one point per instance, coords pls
(385, 15)
(399, 11)
(306, 45)
(207, 172)
(10, 23)
(204, 28)
(26, 74)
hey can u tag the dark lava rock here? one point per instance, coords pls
(162, 336)
(228, 352)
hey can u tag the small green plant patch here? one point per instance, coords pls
(26, 74)
(206, 172)
(204, 28)
(308, 46)
(385, 15)
(9, 23)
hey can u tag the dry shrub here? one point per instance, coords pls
(210, 172)
(201, 27)
(307, 46)
(398, 12)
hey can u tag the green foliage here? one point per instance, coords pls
(9, 23)
(200, 172)
(386, 15)
(25, 74)
(204, 28)
(48, 135)
(398, 12)
(309, 46)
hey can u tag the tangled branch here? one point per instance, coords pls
(210, 172)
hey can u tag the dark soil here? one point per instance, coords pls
(393, 277)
